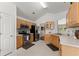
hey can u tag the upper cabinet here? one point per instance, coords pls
(24, 22)
(73, 15)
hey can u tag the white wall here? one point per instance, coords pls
(60, 15)
(59, 18)
(45, 18)
(62, 21)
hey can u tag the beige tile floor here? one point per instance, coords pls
(39, 49)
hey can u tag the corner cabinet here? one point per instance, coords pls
(73, 15)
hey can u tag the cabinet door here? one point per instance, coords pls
(18, 23)
(76, 12)
(55, 40)
(69, 18)
(19, 41)
(47, 38)
(73, 15)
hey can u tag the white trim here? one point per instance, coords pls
(15, 29)
(25, 19)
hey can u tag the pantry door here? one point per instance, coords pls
(5, 34)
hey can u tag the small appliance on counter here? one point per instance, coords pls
(77, 34)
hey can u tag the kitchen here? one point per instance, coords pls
(56, 28)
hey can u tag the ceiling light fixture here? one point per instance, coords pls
(43, 5)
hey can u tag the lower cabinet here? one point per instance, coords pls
(69, 50)
(47, 38)
(31, 37)
(19, 42)
(53, 39)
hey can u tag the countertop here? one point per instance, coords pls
(69, 40)
(19, 35)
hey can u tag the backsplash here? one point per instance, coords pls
(71, 31)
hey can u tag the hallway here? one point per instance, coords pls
(39, 49)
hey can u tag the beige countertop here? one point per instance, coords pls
(69, 40)
(19, 35)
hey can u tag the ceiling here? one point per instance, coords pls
(26, 9)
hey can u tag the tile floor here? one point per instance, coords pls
(39, 49)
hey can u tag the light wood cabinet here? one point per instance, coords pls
(69, 50)
(19, 42)
(18, 23)
(69, 16)
(31, 37)
(53, 39)
(73, 15)
(24, 22)
(47, 38)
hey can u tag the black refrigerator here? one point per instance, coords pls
(32, 30)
